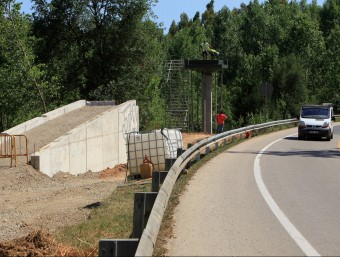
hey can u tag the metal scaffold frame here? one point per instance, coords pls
(184, 95)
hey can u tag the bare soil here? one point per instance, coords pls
(33, 205)
(193, 138)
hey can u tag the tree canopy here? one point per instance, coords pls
(68, 50)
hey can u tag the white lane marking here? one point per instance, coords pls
(304, 245)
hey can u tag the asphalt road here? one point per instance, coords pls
(272, 195)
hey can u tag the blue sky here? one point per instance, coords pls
(169, 10)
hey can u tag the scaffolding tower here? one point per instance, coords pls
(178, 84)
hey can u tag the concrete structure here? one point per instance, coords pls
(206, 67)
(95, 145)
(23, 127)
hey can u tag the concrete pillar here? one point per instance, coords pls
(207, 103)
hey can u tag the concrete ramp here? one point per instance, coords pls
(80, 137)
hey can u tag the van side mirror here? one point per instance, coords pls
(297, 117)
(333, 118)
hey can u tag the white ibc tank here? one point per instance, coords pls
(156, 145)
(173, 141)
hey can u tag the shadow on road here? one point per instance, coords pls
(301, 153)
(306, 139)
(333, 153)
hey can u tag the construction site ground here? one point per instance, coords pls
(34, 205)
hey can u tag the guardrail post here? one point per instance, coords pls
(191, 161)
(169, 162)
(225, 142)
(143, 204)
(158, 178)
(118, 247)
(179, 152)
(198, 157)
(207, 150)
(216, 146)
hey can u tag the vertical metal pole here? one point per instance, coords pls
(204, 116)
(215, 94)
(207, 102)
(266, 101)
(15, 152)
(198, 102)
(222, 90)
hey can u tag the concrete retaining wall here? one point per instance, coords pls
(95, 145)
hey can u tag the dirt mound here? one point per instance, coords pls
(33, 204)
(39, 243)
(193, 138)
(30, 200)
(35, 243)
(118, 171)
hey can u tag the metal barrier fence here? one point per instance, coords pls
(149, 208)
(12, 146)
(148, 239)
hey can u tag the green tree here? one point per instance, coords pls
(290, 86)
(92, 44)
(184, 22)
(330, 16)
(186, 44)
(173, 28)
(208, 20)
(22, 84)
(331, 68)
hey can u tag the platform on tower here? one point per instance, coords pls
(205, 66)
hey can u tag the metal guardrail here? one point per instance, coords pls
(148, 239)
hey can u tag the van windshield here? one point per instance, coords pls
(315, 112)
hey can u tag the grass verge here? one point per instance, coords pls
(113, 219)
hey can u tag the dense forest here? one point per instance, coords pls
(68, 50)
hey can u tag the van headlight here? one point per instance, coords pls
(325, 124)
(302, 124)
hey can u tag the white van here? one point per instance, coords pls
(316, 121)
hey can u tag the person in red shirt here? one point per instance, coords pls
(220, 118)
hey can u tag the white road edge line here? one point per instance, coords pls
(304, 245)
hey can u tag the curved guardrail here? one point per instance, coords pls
(148, 239)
